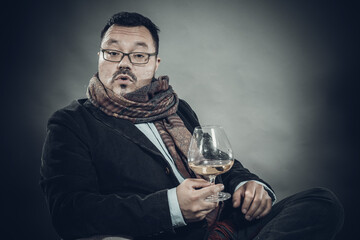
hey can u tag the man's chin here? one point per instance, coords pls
(124, 89)
(120, 90)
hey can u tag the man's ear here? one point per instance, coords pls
(158, 60)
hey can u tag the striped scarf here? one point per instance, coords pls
(147, 104)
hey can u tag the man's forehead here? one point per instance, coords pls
(139, 35)
(114, 42)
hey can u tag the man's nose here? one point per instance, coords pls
(125, 62)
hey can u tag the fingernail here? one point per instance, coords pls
(248, 217)
(221, 187)
(244, 210)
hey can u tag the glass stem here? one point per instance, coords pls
(212, 179)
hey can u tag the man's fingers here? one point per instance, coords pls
(201, 194)
(207, 191)
(265, 205)
(197, 183)
(248, 198)
(255, 204)
(259, 210)
(236, 198)
(191, 195)
(262, 209)
(267, 209)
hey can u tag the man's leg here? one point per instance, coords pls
(313, 214)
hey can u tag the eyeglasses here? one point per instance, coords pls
(135, 57)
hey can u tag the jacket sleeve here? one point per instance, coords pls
(78, 209)
(238, 174)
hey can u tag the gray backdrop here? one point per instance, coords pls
(278, 75)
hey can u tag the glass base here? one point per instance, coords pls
(222, 196)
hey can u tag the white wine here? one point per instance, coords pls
(211, 167)
(209, 155)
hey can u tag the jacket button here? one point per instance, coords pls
(167, 171)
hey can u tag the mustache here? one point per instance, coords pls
(124, 71)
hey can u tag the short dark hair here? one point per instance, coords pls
(132, 19)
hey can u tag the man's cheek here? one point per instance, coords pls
(150, 71)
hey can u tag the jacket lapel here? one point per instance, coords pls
(124, 128)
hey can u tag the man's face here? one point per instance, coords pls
(124, 77)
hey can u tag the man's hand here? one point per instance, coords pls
(256, 201)
(191, 195)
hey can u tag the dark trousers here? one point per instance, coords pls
(315, 214)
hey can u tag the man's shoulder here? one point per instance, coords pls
(187, 114)
(184, 106)
(74, 110)
(183, 103)
(74, 106)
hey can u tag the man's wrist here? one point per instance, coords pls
(177, 219)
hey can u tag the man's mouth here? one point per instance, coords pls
(123, 77)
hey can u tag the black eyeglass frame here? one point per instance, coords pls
(126, 54)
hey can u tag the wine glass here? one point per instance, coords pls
(209, 155)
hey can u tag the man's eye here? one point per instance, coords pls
(138, 55)
(113, 53)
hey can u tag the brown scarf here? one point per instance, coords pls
(156, 102)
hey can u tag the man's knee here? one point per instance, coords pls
(327, 206)
(324, 195)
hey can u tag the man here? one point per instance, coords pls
(115, 163)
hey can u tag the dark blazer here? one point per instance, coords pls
(101, 175)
